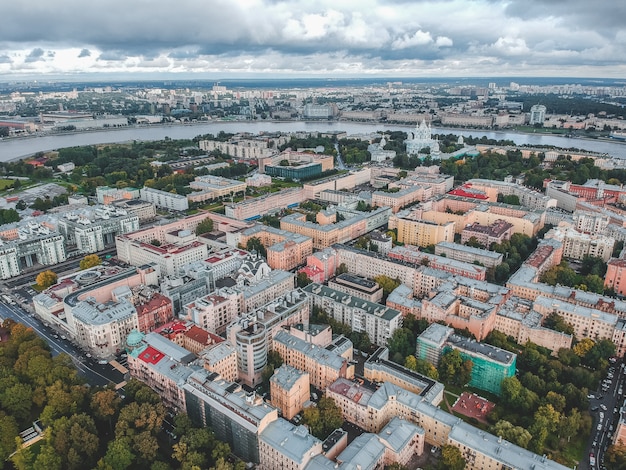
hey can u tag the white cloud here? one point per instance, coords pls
(326, 36)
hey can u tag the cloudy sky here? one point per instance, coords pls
(325, 38)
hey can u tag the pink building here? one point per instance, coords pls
(154, 312)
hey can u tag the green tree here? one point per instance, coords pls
(302, 280)
(324, 418)
(255, 244)
(515, 434)
(8, 432)
(105, 404)
(411, 362)
(570, 424)
(388, 284)
(119, 455)
(45, 279)
(556, 322)
(451, 458)
(205, 226)
(90, 261)
(401, 344)
(454, 369)
(341, 269)
(47, 459)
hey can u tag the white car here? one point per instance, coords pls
(603, 406)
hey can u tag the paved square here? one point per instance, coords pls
(473, 406)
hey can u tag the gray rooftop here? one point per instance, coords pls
(508, 454)
(294, 442)
(485, 350)
(368, 307)
(319, 354)
(286, 376)
(436, 334)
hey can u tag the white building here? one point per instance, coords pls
(363, 316)
(421, 139)
(537, 114)
(102, 328)
(176, 202)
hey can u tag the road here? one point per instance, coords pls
(605, 404)
(95, 374)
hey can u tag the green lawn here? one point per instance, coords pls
(5, 183)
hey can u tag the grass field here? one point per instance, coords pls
(4, 184)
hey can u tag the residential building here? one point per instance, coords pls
(180, 248)
(357, 286)
(212, 187)
(221, 358)
(215, 311)
(252, 209)
(402, 198)
(252, 334)
(353, 226)
(485, 235)
(285, 250)
(285, 445)
(164, 199)
(289, 390)
(322, 365)
(421, 232)
(363, 316)
(102, 328)
(469, 254)
(107, 195)
(160, 364)
(236, 417)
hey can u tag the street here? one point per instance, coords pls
(605, 404)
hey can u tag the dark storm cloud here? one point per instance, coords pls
(35, 55)
(84, 53)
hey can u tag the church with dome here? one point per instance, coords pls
(253, 269)
(421, 139)
(378, 152)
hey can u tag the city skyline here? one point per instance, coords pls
(270, 38)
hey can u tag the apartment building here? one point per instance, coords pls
(469, 254)
(412, 254)
(252, 209)
(357, 286)
(212, 187)
(363, 316)
(160, 364)
(285, 250)
(289, 390)
(322, 365)
(235, 416)
(577, 245)
(421, 232)
(352, 227)
(215, 311)
(485, 235)
(284, 445)
(402, 198)
(164, 199)
(221, 358)
(252, 334)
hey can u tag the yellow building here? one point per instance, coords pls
(289, 390)
(422, 232)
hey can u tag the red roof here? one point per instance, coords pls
(467, 192)
(151, 355)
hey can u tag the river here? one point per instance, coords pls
(13, 149)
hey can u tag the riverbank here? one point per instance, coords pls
(22, 147)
